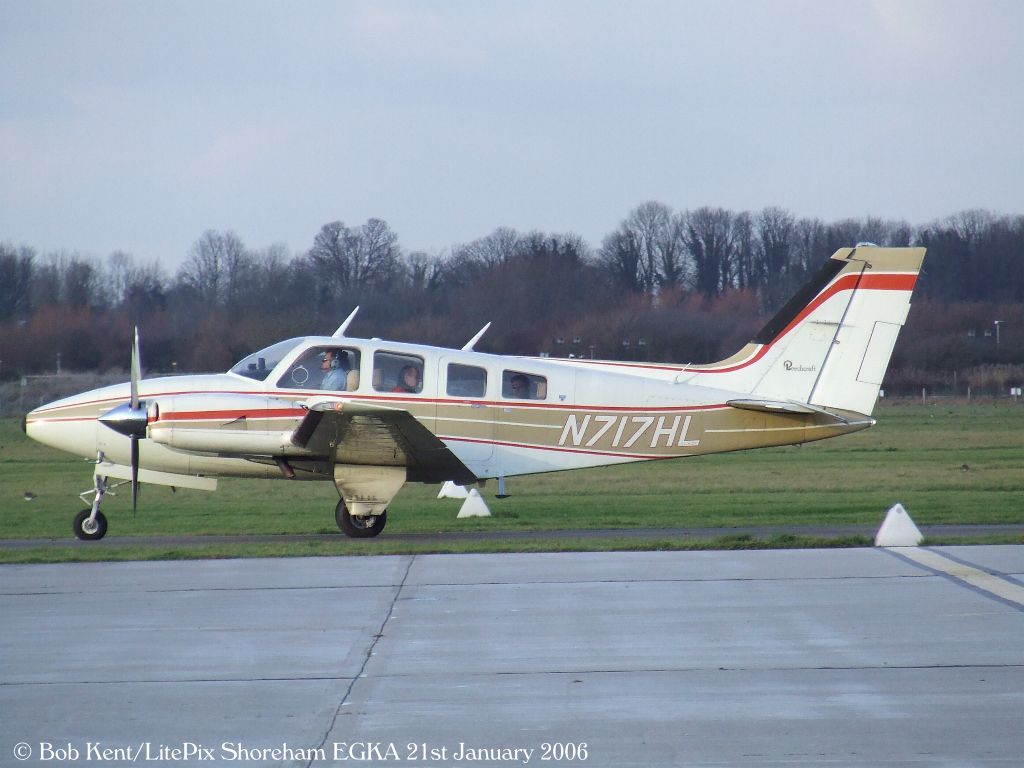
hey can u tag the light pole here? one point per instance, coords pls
(997, 323)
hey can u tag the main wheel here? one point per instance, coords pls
(359, 527)
(89, 531)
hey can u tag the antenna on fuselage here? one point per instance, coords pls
(340, 333)
(469, 344)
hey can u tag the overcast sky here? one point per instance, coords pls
(136, 126)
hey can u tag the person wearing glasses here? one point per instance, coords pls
(335, 370)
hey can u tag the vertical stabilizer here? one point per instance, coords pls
(830, 344)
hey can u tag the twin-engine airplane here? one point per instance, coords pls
(371, 415)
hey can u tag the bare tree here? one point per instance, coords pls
(745, 252)
(620, 258)
(65, 278)
(490, 251)
(424, 273)
(346, 258)
(647, 251)
(215, 268)
(709, 238)
(810, 245)
(123, 280)
(16, 268)
(775, 236)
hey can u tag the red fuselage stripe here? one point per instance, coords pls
(273, 413)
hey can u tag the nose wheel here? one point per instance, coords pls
(359, 526)
(89, 527)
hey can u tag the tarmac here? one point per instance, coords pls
(848, 657)
(185, 541)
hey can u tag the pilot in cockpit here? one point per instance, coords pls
(334, 364)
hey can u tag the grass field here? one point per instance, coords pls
(946, 463)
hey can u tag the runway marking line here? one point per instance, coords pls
(991, 584)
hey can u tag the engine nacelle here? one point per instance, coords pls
(226, 424)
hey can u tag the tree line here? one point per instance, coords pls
(680, 286)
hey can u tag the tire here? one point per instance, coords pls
(365, 527)
(84, 531)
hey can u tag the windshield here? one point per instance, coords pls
(258, 365)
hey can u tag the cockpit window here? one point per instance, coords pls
(258, 365)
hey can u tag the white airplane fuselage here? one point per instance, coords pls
(593, 414)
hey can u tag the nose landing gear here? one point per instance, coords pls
(91, 524)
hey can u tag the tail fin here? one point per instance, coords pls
(830, 345)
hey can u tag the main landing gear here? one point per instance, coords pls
(366, 492)
(359, 526)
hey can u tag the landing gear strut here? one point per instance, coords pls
(90, 524)
(359, 526)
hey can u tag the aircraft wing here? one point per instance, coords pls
(355, 433)
(173, 479)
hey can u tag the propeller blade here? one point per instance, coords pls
(136, 371)
(135, 474)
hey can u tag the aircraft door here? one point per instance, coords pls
(530, 418)
(465, 417)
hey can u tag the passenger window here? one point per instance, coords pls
(466, 380)
(394, 372)
(333, 369)
(523, 386)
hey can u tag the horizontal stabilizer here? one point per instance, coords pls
(790, 406)
(773, 406)
(122, 472)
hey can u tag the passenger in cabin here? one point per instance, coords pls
(519, 387)
(408, 379)
(334, 364)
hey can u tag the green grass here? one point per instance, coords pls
(945, 463)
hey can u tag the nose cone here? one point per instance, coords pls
(31, 422)
(42, 429)
(65, 426)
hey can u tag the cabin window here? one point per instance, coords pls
(331, 369)
(518, 385)
(394, 372)
(466, 380)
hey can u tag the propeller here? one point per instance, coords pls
(130, 419)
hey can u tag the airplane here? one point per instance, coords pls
(370, 415)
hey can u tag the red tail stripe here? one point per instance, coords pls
(883, 282)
